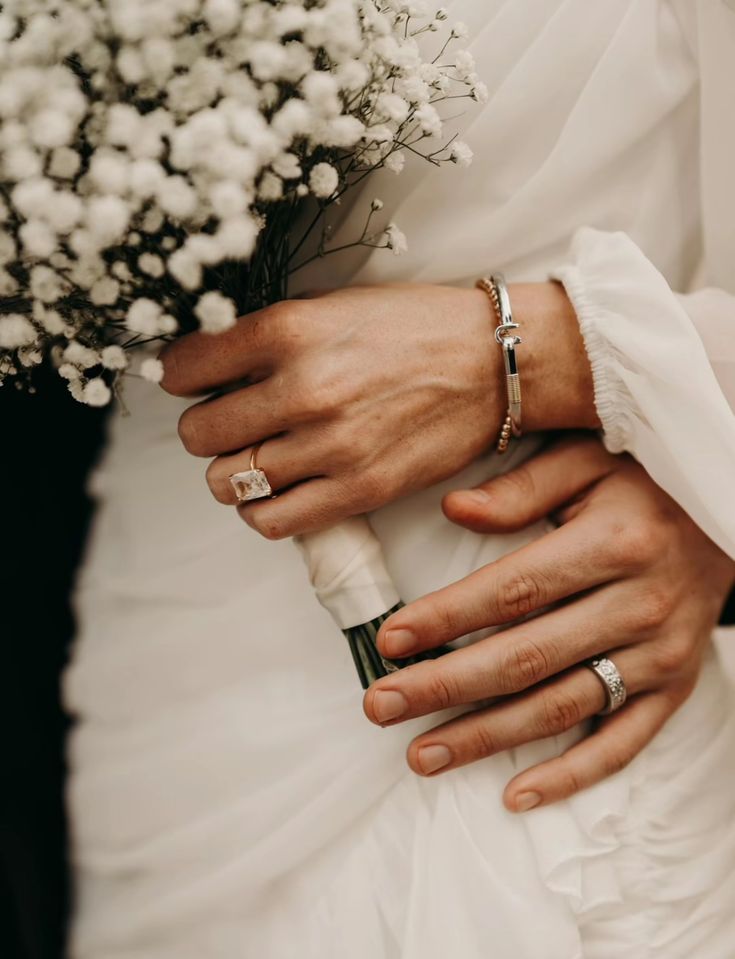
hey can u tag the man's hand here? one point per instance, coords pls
(626, 573)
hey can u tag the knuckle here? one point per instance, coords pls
(670, 657)
(441, 689)
(313, 396)
(448, 618)
(281, 321)
(526, 665)
(616, 760)
(560, 712)
(655, 607)
(482, 742)
(520, 595)
(638, 545)
(569, 783)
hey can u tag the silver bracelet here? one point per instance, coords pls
(496, 289)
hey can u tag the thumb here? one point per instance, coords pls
(532, 490)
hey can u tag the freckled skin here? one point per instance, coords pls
(369, 393)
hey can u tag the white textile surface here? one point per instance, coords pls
(228, 798)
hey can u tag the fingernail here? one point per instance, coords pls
(389, 704)
(477, 496)
(526, 801)
(431, 758)
(398, 642)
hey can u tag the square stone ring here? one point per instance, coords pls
(252, 483)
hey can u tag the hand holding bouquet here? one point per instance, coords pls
(168, 165)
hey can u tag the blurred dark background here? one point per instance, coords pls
(49, 443)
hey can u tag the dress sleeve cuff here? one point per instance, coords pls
(656, 393)
(611, 401)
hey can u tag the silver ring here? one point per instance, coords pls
(614, 684)
(253, 483)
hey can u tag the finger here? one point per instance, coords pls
(285, 460)
(565, 561)
(513, 660)
(617, 741)
(547, 710)
(532, 490)
(231, 422)
(306, 508)
(201, 362)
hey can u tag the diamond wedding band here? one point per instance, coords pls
(613, 683)
(253, 483)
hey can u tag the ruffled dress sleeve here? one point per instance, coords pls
(664, 373)
(664, 362)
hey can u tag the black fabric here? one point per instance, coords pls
(48, 444)
(728, 613)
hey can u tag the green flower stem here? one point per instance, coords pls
(369, 663)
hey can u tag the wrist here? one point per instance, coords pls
(556, 377)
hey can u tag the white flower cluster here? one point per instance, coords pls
(155, 156)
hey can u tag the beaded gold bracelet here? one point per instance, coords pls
(497, 291)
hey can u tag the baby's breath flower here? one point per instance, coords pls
(270, 188)
(464, 63)
(46, 285)
(177, 197)
(461, 154)
(30, 357)
(152, 264)
(96, 392)
(235, 238)
(395, 162)
(323, 180)
(38, 239)
(69, 372)
(152, 370)
(105, 291)
(186, 269)
(215, 312)
(8, 283)
(139, 155)
(395, 239)
(64, 163)
(429, 120)
(81, 355)
(114, 358)
(16, 331)
(143, 317)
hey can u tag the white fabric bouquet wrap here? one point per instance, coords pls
(168, 165)
(348, 572)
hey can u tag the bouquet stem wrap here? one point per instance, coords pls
(351, 581)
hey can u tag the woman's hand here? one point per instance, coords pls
(366, 394)
(630, 575)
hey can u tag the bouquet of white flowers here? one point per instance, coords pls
(170, 164)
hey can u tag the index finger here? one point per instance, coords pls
(568, 560)
(201, 362)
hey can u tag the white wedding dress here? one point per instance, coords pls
(228, 798)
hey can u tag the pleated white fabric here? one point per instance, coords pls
(228, 798)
